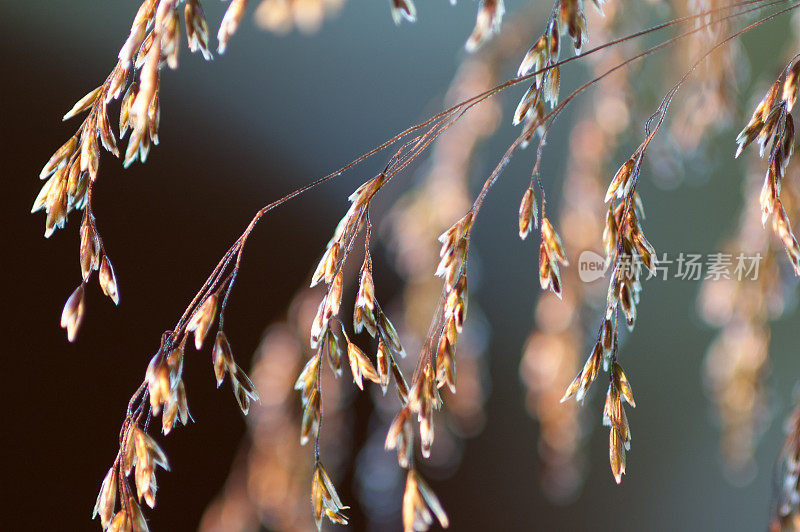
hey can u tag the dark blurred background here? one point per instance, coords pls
(273, 114)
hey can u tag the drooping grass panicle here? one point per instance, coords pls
(552, 352)
(153, 42)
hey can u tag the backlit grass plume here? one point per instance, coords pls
(419, 356)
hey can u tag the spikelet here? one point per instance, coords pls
(420, 505)
(325, 500)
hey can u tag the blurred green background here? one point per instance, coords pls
(275, 113)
